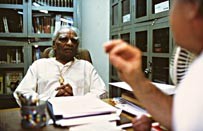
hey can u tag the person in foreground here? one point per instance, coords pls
(183, 112)
(62, 75)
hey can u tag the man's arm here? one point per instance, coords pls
(28, 84)
(97, 85)
(158, 104)
(128, 61)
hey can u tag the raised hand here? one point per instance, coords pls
(142, 123)
(126, 59)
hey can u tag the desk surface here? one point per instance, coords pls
(10, 120)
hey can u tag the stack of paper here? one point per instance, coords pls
(76, 110)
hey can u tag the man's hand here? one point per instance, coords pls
(64, 90)
(143, 123)
(127, 60)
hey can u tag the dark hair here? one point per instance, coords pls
(201, 7)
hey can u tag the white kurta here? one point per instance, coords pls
(188, 102)
(42, 78)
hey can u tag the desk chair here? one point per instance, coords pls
(83, 54)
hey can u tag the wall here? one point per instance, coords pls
(95, 31)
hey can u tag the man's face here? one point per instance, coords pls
(66, 44)
(177, 21)
(182, 20)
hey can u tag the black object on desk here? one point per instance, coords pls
(7, 101)
(51, 113)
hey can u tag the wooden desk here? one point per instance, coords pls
(10, 120)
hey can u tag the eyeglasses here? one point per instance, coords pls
(66, 39)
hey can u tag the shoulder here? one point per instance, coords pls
(43, 61)
(80, 61)
(84, 64)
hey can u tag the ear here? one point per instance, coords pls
(54, 45)
(191, 10)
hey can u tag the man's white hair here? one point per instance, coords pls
(66, 28)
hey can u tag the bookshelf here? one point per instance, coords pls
(26, 29)
(144, 24)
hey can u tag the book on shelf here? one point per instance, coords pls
(1, 85)
(47, 24)
(62, 3)
(71, 3)
(52, 24)
(66, 21)
(42, 23)
(55, 2)
(65, 3)
(37, 54)
(17, 1)
(37, 25)
(50, 2)
(5, 22)
(58, 4)
(8, 58)
(57, 23)
(68, 3)
(13, 1)
(12, 79)
(21, 23)
(13, 55)
(44, 2)
(18, 56)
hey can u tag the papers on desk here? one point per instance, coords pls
(97, 126)
(168, 89)
(76, 110)
(87, 120)
(129, 107)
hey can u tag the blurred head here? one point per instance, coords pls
(186, 19)
(65, 44)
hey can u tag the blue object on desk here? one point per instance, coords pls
(33, 116)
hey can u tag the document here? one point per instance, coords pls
(87, 120)
(129, 107)
(168, 89)
(97, 126)
(76, 110)
(78, 106)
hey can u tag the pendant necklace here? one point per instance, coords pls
(61, 79)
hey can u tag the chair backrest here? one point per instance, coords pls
(83, 54)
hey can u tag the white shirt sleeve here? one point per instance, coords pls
(187, 115)
(28, 85)
(97, 86)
